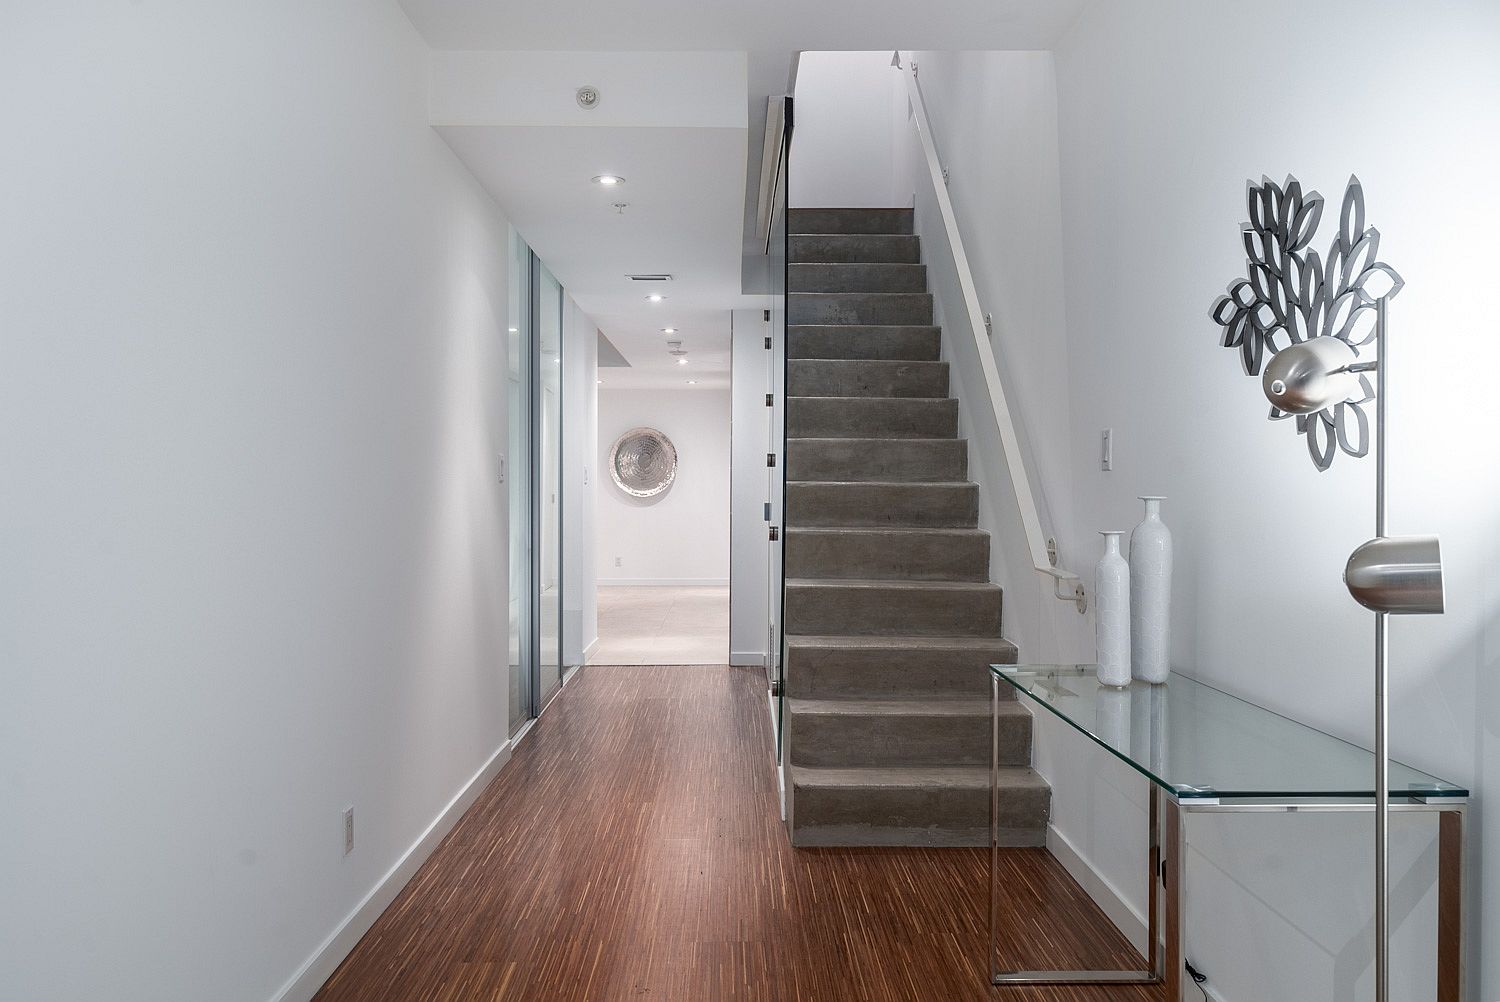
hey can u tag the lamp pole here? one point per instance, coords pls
(1382, 681)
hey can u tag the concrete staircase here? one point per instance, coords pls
(891, 618)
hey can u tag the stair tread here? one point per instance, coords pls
(904, 706)
(939, 776)
(914, 401)
(900, 583)
(887, 483)
(920, 530)
(871, 438)
(897, 642)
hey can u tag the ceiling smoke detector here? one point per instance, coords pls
(588, 97)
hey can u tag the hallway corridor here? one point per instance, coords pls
(631, 849)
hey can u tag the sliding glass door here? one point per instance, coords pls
(547, 320)
(534, 482)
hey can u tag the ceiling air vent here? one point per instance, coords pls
(649, 278)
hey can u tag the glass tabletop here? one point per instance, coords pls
(1197, 742)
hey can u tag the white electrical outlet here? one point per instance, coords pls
(617, 561)
(348, 830)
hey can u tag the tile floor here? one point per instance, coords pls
(662, 626)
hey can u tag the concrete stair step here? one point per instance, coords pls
(878, 341)
(882, 503)
(857, 277)
(893, 248)
(862, 308)
(849, 220)
(860, 667)
(862, 417)
(905, 732)
(888, 553)
(843, 377)
(914, 805)
(892, 608)
(906, 460)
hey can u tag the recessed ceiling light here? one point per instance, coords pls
(682, 361)
(669, 330)
(514, 330)
(692, 382)
(655, 297)
(599, 381)
(609, 180)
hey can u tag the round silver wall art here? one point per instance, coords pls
(643, 462)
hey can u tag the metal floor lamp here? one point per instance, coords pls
(1323, 311)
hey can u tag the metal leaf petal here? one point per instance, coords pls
(1339, 312)
(1359, 329)
(1235, 330)
(1223, 311)
(1333, 269)
(1312, 280)
(1252, 351)
(1257, 203)
(1262, 281)
(1291, 204)
(1356, 444)
(1296, 326)
(1379, 281)
(1361, 256)
(1305, 226)
(1352, 214)
(1321, 442)
(1277, 414)
(1242, 294)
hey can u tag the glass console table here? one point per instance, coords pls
(1203, 750)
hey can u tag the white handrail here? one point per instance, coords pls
(1031, 521)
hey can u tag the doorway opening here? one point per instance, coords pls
(662, 508)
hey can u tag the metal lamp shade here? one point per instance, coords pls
(1402, 575)
(1306, 377)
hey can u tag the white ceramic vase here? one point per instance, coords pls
(1112, 718)
(1112, 613)
(1150, 595)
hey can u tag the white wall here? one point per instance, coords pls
(580, 362)
(254, 535)
(750, 438)
(845, 136)
(1155, 140)
(680, 537)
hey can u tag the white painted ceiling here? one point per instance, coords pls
(743, 25)
(684, 84)
(684, 188)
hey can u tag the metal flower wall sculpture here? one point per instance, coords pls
(1291, 295)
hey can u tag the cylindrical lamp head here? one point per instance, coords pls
(1402, 575)
(1304, 378)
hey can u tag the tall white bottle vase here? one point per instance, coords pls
(1151, 595)
(1112, 613)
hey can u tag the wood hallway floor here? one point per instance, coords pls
(632, 850)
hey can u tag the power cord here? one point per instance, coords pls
(1198, 979)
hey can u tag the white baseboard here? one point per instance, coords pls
(664, 582)
(588, 651)
(327, 957)
(1108, 897)
(747, 659)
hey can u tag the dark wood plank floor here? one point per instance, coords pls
(632, 850)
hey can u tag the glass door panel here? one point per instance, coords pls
(548, 325)
(519, 366)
